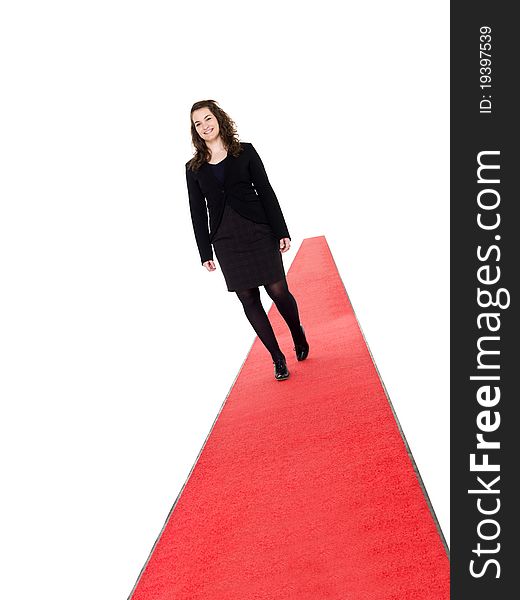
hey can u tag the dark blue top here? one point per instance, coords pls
(218, 170)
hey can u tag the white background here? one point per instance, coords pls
(117, 347)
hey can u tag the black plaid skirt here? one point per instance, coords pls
(248, 253)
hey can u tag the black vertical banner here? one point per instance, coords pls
(485, 259)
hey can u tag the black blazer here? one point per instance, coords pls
(247, 189)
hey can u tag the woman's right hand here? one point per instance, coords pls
(210, 265)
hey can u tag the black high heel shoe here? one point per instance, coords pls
(302, 350)
(281, 371)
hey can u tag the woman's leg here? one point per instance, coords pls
(257, 316)
(287, 307)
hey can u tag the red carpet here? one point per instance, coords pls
(304, 489)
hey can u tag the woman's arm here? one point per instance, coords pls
(267, 195)
(199, 217)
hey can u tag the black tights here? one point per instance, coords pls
(287, 307)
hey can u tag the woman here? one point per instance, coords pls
(226, 178)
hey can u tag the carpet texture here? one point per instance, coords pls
(304, 490)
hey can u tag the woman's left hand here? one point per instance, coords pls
(285, 244)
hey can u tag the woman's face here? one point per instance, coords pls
(206, 124)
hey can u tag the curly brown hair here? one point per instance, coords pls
(228, 133)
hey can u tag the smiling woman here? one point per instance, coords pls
(227, 179)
